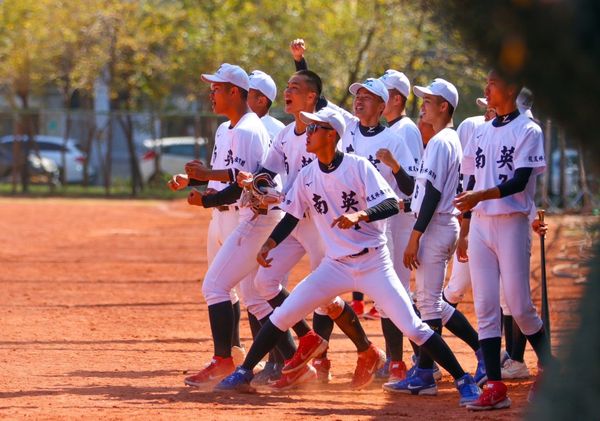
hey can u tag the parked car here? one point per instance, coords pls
(174, 152)
(41, 170)
(51, 147)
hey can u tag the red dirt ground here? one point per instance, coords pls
(102, 317)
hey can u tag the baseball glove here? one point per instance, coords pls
(260, 192)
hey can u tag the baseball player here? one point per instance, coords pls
(287, 156)
(348, 200)
(435, 232)
(261, 95)
(248, 143)
(502, 160)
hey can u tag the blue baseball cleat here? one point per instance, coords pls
(384, 372)
(238, 381)
(480, 372)
(468, 390)
(421, 383)
(437, 374)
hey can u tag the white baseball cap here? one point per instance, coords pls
(439, 87)
(482, 102)
(325, 115)
(264, 83)
(525, 102)
(393, 79)
(375, 86)
(229, 73)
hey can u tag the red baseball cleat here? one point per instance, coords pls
(397, 371)
(323, 367)
(373, 314)
(358, 306)
(215, 371)
(309, 347)
(305, 374)
(493, 397)
(368, 363)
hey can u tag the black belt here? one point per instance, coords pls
(225, 208)
(360, 253)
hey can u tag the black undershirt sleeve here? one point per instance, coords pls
(301, 64)
(284, 228)
(227, 196)
(430, 202)
(405, 181)
(385, 209)
(194, 183)
(516, 184)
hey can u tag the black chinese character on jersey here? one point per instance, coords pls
(349, 149)
(320, 205)
(306, 161)
(214, 153)
(506, 157)
(349, 202)
(286, 164)
(374, 161)
(479, 158)
(229, 157)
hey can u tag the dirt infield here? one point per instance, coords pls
(101, 316)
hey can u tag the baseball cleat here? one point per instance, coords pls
(238, 353)
(421, 383)
(238, 381)
(358, 306)
(305, 374)
(468, 390)
(271, 373)
(215, 371)
(536, 384)
(368, 363)
(323, 367)
(493, 397)
(397, 371)
(480, 372)
(384, 372)
(372, 314)
(309, 346)
(513, 369)
(437, 374)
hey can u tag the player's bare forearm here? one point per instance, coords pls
(263, 253)
(467, 200)
(410, 259)
(348, 220)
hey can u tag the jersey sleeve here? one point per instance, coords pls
(250, 151)
(435, 164)
(405, 157)
(348, 117)
(376, 188)
(414, 144)
(275, 157)
(529, 150)
(295, 203)
(464, 132)
(467, 166)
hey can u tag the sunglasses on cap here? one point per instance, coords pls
(311, 128)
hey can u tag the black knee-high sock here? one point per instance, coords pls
(266, 340)
(437, 349)
(539, 343)
(285, 347)
(301, 328)
(518, 343)
(357, 296)
(415, 347)
(348, 322)
(425, 360)
(235, 334)
(323, 326)
(393, 339)
(221, 325)
(491, 357)
(461, 328)
(508, 325)
(446, 300)
(255, 328)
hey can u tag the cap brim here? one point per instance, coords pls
(208, 78)
(308, 118)
(421, 91)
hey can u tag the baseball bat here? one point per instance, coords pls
(545, 308)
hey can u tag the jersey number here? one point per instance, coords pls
(503, 178)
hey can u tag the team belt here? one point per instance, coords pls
(226, 208)
(360, 253)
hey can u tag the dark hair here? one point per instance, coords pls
(269, 103)
(243, 93)
(313, 80)
(450, 109)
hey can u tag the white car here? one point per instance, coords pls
(174, 152)
(51, 147)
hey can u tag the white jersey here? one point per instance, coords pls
(466, 129)
(287, 155)
(493, 155)
(354, 141)
(353, 186)
(272, 125)
(222, 156)
(409, 134)
(441, 166)
(248, 145)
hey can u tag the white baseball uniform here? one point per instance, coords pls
(287, 156)
(235, 262)
(356, 259)
(440, 166)
(499, 238)
(272, 125)
(460, 279)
